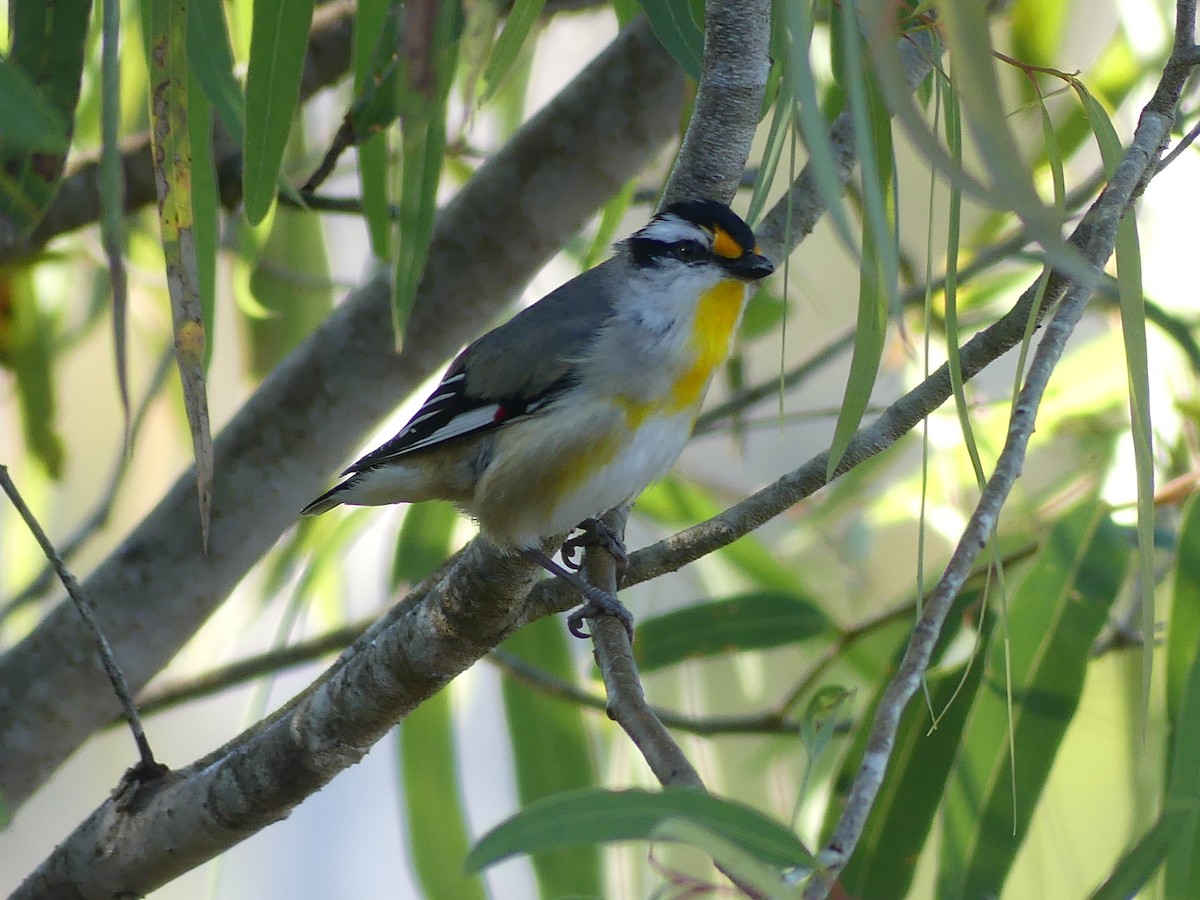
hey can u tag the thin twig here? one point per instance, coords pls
(268, 663)
(1184, 143)
(147, 767)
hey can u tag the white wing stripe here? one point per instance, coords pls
(460, 424)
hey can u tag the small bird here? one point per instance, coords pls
(577, 403)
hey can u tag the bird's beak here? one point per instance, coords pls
(750, 266)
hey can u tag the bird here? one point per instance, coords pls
(577, 403)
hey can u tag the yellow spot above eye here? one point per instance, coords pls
(726, 246)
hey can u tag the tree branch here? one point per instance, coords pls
(737, 37)
(195, 813)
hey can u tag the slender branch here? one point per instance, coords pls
(147, 767)
(244, 670)
(1184, 143)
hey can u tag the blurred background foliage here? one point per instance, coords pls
(1039, 762)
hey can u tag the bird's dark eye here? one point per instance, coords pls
(687, 251)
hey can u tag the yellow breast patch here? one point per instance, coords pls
(716, 316)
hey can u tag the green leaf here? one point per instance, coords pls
(1182, 871)
(551, 753)
(733, 860)
(522, 16)
(1139, 864)
(369, 23)
(966, 27)
(211, 59)
(27, 348)
(1053, 620)
(813, 125)
(433, 802)
(1183, 778)
(112, 196)
(1137, 367)
(594, 816)
(878, 269)
(424, 541)
(422, 103)
(290, 282)
(1183, 635)
(27, 121)
(678, 26)
(278, 43)
(749, 621)
(900, 821)
(47, 48)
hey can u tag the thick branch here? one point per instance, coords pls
(308, 416)
(196, 813)
(729, 99)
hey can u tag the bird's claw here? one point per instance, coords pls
(596, 534)
(599, 605)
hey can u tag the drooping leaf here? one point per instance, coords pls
(27, 121)
(878, 268)
(206, 202)
(522, 16)
(750, 621)
(171, 144)
(27, 349)
(1053, 620)
(211, 59)
(278, 43)
(678, 25)
(46, 55)
(593, 816)
(112, 194)
(1137, 369)
(424, 89)
(438, 836)
(551, 754)
(370, 22)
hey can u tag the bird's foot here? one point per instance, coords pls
(596, 534)
(599, 603)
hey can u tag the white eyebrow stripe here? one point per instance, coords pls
(670, 228)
